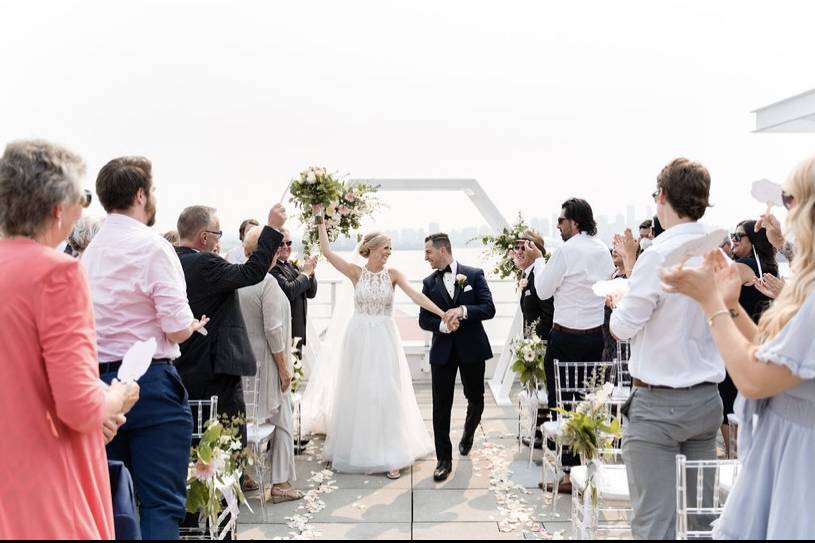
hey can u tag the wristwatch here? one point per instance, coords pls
(318, 220)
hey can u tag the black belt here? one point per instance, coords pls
(564, 330)
(108, 367)
(642, 384)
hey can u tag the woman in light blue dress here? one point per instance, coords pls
(773, 366)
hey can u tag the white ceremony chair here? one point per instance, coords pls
(702, 502)
(258, 434)
(199, 419)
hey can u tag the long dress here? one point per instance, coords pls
(54, 481)
(267, 314)
(771, 499)
(375, 424)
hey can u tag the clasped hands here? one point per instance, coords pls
(453, 317)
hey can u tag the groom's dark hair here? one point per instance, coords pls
(439, 241)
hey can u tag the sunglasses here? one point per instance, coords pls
(655, 195)
(737, 236)
(287, 243)
(561, 220)
(787, 199)
(86, 198)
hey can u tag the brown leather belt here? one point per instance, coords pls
(563, 329)
(642, 384)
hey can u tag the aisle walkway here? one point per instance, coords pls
(466, 506)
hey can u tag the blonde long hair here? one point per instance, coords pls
(801, 224)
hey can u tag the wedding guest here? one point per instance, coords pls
(674, 406)
(56, 413)
(237, 255)
(577, 329)
(754, 256)
(138, 292)
(657, 228)
(646, 230)
(82, 234)
(267, 314)
(172, 237)
(299, 284)
(535, 311)
(213, 364)
(610, 343)
(773, 367)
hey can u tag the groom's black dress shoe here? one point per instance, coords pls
(466, 444)
(443, 470)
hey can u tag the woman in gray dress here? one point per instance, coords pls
(267, 315)
(773, 367)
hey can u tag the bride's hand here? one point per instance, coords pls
(317, 209)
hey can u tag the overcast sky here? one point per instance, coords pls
(538, 101)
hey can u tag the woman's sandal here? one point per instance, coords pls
(249, 484)
(289, 494)
(393, 474)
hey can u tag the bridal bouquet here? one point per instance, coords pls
(527, 358)
(501, 246)
(214, 473)
(344, 204)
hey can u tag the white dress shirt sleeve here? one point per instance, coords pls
(636, 307)
(168, 288)
(549, 275)
(443, 328)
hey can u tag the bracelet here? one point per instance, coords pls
(732, 312)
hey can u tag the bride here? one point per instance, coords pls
(374, 423)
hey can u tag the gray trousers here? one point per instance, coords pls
(661, 424)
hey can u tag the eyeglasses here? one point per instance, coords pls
(287, 243)
(655, 195)
(737, 236)
(218, 233)
(787, 199)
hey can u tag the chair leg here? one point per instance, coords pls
(261, 464)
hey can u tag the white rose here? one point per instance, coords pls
(330, 211)
(311, 178)
(461, 277)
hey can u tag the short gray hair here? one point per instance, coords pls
(84, 231)
(35, 177)
(194, 219)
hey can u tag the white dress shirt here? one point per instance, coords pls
(569, 275)
(671, 343)
(449, 280)
(236, 255)
(138, 288)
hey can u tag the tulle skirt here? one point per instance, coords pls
(374, 424)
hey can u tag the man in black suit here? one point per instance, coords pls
(212, 364)
(298, 283)
(533, 308)
(459, 344)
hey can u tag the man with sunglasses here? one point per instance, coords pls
(213, 364)
(299, 285)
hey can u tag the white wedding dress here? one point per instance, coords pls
(373, 423)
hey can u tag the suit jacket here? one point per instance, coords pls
(212, 285)
(535, 309)
(470, 342)
(298, 288)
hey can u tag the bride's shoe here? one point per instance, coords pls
(393, 474)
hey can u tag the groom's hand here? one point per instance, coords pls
(452, 318)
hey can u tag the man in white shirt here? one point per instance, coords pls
(577, 329)
(237, 255)
(675, 406)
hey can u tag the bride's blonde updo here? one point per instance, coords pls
(372, 241)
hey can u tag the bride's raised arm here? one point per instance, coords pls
(416, 297)
(351, 271)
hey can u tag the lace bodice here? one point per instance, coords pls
(373, 294)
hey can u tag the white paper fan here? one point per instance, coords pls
(617, 286)
(137, 360)
(695, 247)
(767, 192)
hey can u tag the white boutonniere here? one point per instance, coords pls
(294, 262)
(461, 279)
(523, 283)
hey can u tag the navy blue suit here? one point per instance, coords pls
(465, 350)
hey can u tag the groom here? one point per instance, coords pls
(459, 344)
